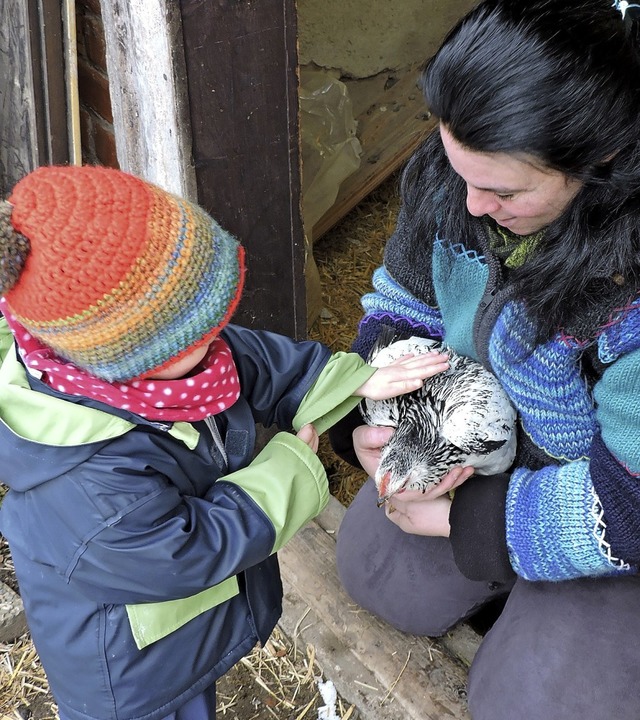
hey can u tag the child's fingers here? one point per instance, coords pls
(309, 435)
(417, 367)
(407, 385)
(414, 373)
(403, 375)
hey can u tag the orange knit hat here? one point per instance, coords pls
(114, 274)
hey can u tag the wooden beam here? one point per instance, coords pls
(147, 85)
(241, 60)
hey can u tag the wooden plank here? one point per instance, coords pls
(462, 642)
(385, 673)
(32, 91)
(392, 121)
(145, 62)
(241, 61)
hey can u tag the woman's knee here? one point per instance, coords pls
(409, 581)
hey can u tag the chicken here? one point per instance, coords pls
(459, 417)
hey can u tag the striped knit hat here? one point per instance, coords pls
(114, 274)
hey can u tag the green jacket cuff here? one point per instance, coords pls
(331, 397)
(289, 499)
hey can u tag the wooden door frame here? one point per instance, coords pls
(207, 107)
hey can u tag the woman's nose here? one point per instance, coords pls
(481, 202)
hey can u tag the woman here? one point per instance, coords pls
(518, 242)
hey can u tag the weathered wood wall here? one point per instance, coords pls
(241, 64)
(18, 137)
(32, 89)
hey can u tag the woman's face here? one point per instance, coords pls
(518, 194)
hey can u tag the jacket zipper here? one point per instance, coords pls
(217, 438)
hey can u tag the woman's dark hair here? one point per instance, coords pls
(559, 81)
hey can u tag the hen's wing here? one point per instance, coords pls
(380, 412)
(480, 420)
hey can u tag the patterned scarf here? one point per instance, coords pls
(512, 249)
(212, 387)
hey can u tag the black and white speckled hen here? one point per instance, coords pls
(459, 417)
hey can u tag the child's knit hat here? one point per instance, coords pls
(114, 274)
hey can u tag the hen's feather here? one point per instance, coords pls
(459, 417)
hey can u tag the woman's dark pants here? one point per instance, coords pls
(558, 651)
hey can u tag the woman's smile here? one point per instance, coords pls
(515, 191)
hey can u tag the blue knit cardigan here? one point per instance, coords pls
(573, 500)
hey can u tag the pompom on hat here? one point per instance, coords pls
(114, 274)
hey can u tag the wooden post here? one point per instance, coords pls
(32, 89)
(241, 60)
(147, 85)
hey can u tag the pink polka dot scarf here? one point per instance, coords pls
(212, 388)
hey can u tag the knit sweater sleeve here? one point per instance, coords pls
(582, 518)
(578, 513)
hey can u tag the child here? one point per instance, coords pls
(143, 531)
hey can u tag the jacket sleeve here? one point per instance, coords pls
(134, 534)
(287, 504)
(275, 372)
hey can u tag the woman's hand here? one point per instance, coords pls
(427, 513)
(367, 441)
(403, 375)
(413, 511)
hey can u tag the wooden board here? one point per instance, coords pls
(392, 121)
(32, 90)
(241, 62)
(387, 674)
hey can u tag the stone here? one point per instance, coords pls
(13, 622)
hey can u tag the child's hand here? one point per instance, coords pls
(403, 375)
(309, 435)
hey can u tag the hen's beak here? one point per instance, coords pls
(383, 489)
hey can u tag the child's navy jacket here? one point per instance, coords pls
(145, 551)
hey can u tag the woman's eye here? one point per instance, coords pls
(505, 197)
